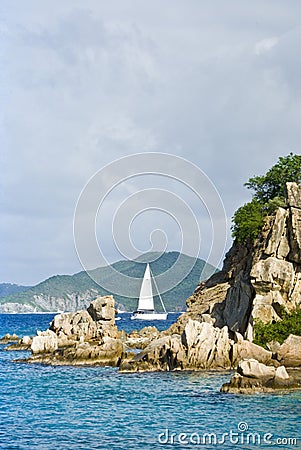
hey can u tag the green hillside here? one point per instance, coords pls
(10, 289)
(69, 292)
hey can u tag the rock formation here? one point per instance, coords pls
(84, 337)
(252, 376)
(9, 339)
(200, 346)
(257, 281)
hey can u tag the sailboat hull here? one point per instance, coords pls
(140, 315)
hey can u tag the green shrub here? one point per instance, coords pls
(269, 194)
(278, 331)
(248, 221)
(273, 183)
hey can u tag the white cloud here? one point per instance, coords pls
(265, 45)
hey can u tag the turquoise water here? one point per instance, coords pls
(44, 407)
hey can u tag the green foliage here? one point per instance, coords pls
(248, 221)
(274, 204)
(269, 194)
(278, 331)
(272, 184)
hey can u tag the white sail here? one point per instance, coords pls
(146, 310)
(146, 300)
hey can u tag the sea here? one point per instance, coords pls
(44, 407)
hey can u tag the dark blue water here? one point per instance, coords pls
(44, 407)
(28, 324)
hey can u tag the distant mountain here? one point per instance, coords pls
(73, 292)
(10, 288)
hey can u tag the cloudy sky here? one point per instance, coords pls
(86, 82)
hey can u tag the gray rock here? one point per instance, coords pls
(84, 337)
(277, 244)
(273, 346)
(295, 235)
(44, 342)
(293, 191)
(289, 353)
(9, 338)
(102, 309)
(253, 369)
(248, 350)
(253, 377)
(26, 340)
(281, 373)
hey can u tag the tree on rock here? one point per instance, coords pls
(269, 194)
(272, 184)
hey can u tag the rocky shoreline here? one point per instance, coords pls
(257, 281)
(91, 338)
(253, 377)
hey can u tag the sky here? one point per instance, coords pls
(84, 83)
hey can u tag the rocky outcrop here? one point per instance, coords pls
(200, 346)
(94, 323)
(16, 343)
(257, 281)
(84, 337)
(9, 339)
(142, 338)
(22, 344)
(252, 377)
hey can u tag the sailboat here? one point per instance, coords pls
(146, 310)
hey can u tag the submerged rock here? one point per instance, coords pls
(9, 338)
(23, 344)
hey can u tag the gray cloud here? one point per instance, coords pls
(84, 83)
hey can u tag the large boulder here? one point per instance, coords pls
(44, 342)
(201, 346)
(108, 352)
(102, 309)
(253, 369)
(165, 353)
(243, 349)
(273, 280)
(289, 353)
(252, 377)
(206, 346)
